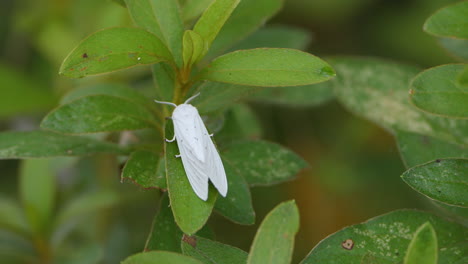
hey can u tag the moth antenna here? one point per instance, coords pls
(166, 103)
(191, 98)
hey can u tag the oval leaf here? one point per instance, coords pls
(237, 205)
(450, 21)
(160, 257)
(209, 251)
(268, 67)
(42, 144)
(274, 240)
(443, 180)
(190, 212)
(213, 19)
(263, 163)
(385, 239)
(423, 246)
(165, 234)
(142, 169)
(436, 91)
(113, 49)
(98, 113)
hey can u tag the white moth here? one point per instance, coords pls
(200, 158)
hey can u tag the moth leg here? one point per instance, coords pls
(170, 140)
(177, 156)
(212, 134)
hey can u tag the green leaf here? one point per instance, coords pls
(268, 67)
(378, 90)
(246, 19)
(190, 212)
(274, 241)
(167, 14)
(99, 113)
(21, 94)
(416, 149)
(263, 163)
(213, 19)
(423, 246)
(37, 191)
(160, 257)
(114, 49)
(165, 234)
(237, 205)
(463, 77)
(194, 47)
(209, 251)
(112, 89)
(443, 180)
(297, 96)
(194, 8)
(42, 144)
(456, 47)
(164, 79)
(276, 37)
(142, 169)
(240, 123)
(215, 96)
(386, 238)
(13, 217)
(436, 91)
(449, 21)
(143, 16)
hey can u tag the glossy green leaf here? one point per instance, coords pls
(194, 47)
(276, 37)
(237, 205)
(209, 251)
(42, 144)
(385, 239)
(463, 77)
(167, 15)
(443, 180)
(246, 19)
(416, 149)
(213, 19)
(274, 241)
(449, 21)
(378, 90)
(194, 8)
(164, 79)
(142, 169)
(456, 47)
(190, 212)
(268, 67)
(159, 257)
(21, 94)
(37, 191)
(296, 96)
(13, 217)
(263, 163)
(143, 16)
(99, 113)
(436, 91)
(112, 89)
(423, 246)
(165, 234)
(114, 49)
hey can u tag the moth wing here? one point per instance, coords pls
(194, 168)
(213, 163)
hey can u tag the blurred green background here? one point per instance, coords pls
(354, 165)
